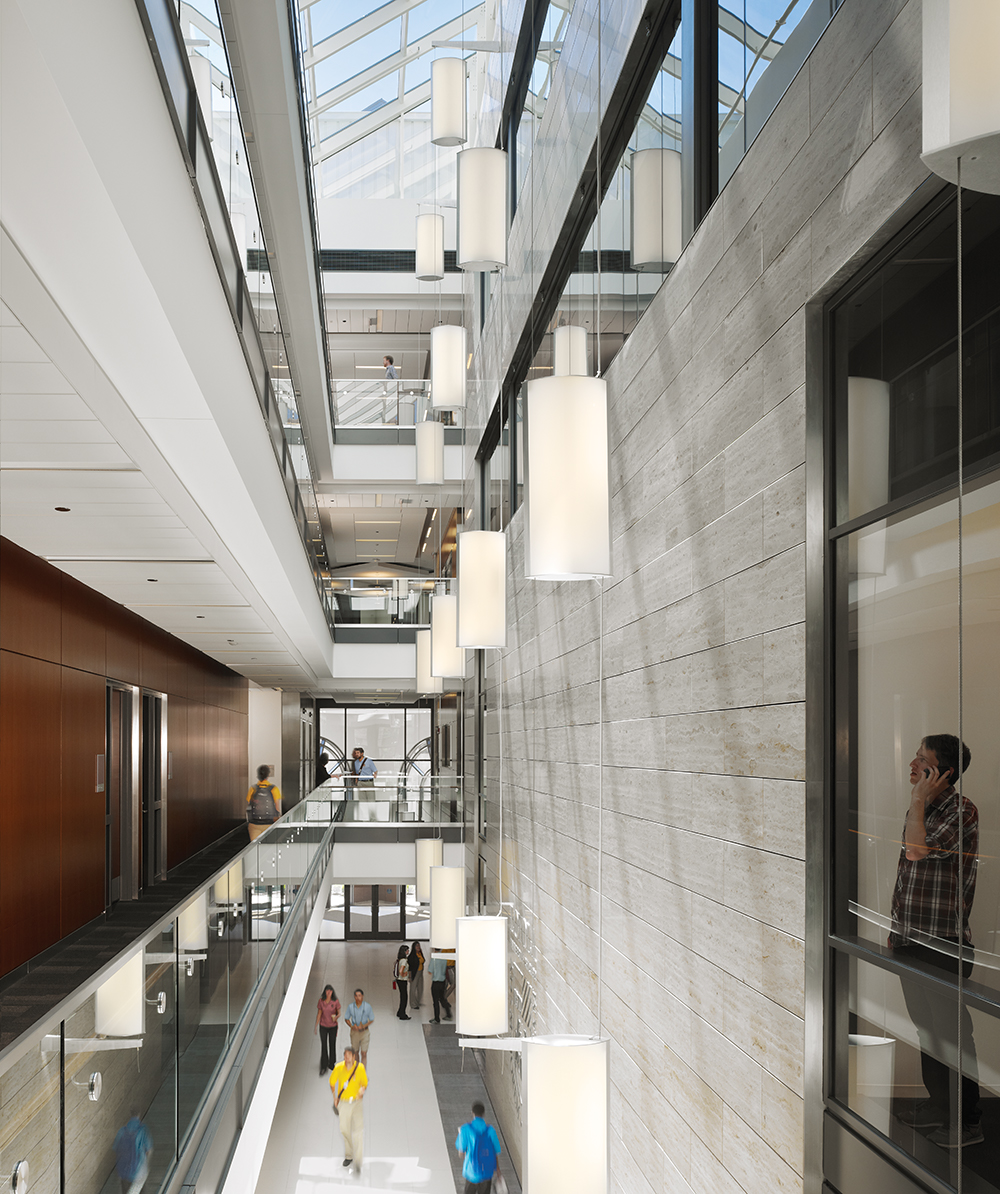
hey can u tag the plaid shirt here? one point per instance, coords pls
(925, 898)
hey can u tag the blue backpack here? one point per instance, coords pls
(484, 1155)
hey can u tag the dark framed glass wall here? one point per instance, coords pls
(912, 1015)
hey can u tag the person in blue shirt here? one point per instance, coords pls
(480, 1143)
(438, 969)
(361, 771)
(359, 1016)
(133, 1146)
(390, 368)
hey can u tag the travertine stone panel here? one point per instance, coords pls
(655, 723)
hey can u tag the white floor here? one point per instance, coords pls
(405, 1148)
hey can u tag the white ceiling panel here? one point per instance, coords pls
(43, 406)
(178, 620)
(124, 572)
(35, 377)
(54, 431)
(229, 640)
(55, 536)
(17, 346)
(51, 455)
(238, 659)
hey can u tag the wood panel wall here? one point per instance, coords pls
(59, 644)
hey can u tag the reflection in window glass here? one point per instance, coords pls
(762, 44)
(899, 329)
(625, 292)
(540, 81)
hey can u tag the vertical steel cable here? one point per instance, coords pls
(960, 887)
(600, 597)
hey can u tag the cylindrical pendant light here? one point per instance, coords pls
(481, 975)
(482, 589)
(427, 683)
(569, 349)
(430, 248)
(119, 1002)
(567, 479)
(448, 367)
(430, 453)
(448, 124)
(447, 904)
(482, 209)
(447, 657)
(192, 924)
(961, 91)
(430, 852)
(867, 445)
(565, 1081)
(656, 208)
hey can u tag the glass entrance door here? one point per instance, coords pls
(373, 911)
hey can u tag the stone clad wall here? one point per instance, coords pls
(673, 696)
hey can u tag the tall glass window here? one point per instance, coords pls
(914, 1021)
(762, 45)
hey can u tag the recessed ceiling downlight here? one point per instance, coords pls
(63, 509)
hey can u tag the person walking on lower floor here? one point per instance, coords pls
(327, 1017)
(480, 1143)
(401, 980)
(439, 971)
(359, 1016)
(349, 1083)
(415, 960)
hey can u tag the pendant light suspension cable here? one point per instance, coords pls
(960, 886)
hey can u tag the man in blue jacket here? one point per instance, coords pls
(481, 1145)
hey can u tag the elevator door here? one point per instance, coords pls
(153, 803)
(374, 911)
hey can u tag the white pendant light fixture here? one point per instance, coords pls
(867, 445)
(448, 367)
(119, 1002)
(447, 904)
(567, 479)
(961, 91)
(482, 209)
(430, 452)
(447, 657)
(192, 925)
(565, 1080)
(427, 684)
(481, 976)
(430, 852)
(482, 589)
(656, 209)
(569, 350)
(430, 248)
(448, 122)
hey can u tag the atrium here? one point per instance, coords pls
(556, 445)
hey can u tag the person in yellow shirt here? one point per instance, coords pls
(263, 803)
(349, 1083)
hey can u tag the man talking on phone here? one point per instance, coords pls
(931, 902)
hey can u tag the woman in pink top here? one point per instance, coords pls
(327, 1017)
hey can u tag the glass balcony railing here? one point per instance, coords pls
(403, 601)
(158, 1045)
(408, 798)
(385, 402)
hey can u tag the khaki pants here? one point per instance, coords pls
(352, 1128)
